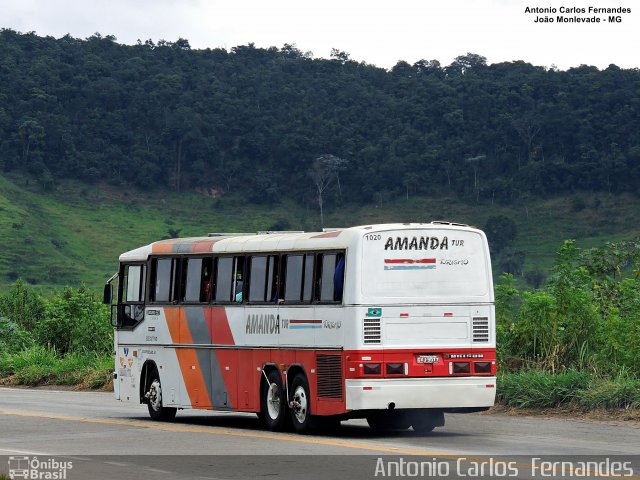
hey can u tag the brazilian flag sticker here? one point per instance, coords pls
(374, 312)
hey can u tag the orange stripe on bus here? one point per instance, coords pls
(165, 246)
(173, 323)
(188, 358)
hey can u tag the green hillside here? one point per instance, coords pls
(74, 233)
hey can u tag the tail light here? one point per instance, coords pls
(461, 367)
(482, 367)
(371, 368)
(395, 368)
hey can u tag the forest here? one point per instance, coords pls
(276, 123)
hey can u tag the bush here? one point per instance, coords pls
(12, 337)
(22, 305)
(582, 319)
(75, 320)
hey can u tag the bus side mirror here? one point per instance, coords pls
(108, 294)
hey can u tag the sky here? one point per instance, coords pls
(373, 31)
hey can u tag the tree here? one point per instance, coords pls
(501, 231)
(475, 162)
(324, 170)
(32, 136)
(340, 55)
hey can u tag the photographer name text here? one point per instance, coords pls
(577, 14)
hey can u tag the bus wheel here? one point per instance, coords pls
(154, 400)
(427, 421)
(300, 404)
(273, 402)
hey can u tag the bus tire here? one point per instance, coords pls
(273, 402)
(384, 422)
(154, 400)
(425, 422)
(300, 404)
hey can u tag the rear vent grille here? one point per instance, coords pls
(372, 331)
(480, 329)
(329, 368)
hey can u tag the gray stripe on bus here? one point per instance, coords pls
(218, 389)
(197, 326)
(211, 372)
(182, 248)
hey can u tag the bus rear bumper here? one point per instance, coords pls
(420, 393)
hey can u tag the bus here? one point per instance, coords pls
(394, 323)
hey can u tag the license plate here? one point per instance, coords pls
(427, 359)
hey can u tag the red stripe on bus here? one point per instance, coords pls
(203, 246)
(409, 260)
(305, 321)
(328, 234)
(220, 329)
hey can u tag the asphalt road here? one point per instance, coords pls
(108, 439)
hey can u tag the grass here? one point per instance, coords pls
(580, 390)
(40, 365)
(75, 233)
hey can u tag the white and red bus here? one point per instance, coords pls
(393, 323)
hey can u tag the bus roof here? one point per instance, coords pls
(333, 238)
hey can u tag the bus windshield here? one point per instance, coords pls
(430, 264)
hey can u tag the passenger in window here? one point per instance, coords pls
(205, 290)
(275, 297)
(238, 291)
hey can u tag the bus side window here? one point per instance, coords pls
(205, 280)
(263, 278)
(338, 279)
(224, 279)
(133, 284)
(328, 262)
(331, 281)
(163, 280)
(132, 295)
(298, 277)
(229, 279)
(307, 292)
(293, 278)
(238, 275)
(196, 274)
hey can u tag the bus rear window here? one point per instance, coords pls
(425, 264)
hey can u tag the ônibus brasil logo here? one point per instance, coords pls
(34, 468)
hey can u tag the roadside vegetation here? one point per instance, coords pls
(65, 339)
(574, 342)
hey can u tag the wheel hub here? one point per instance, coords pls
(155, 395)
(273, 401)
(299, 404)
